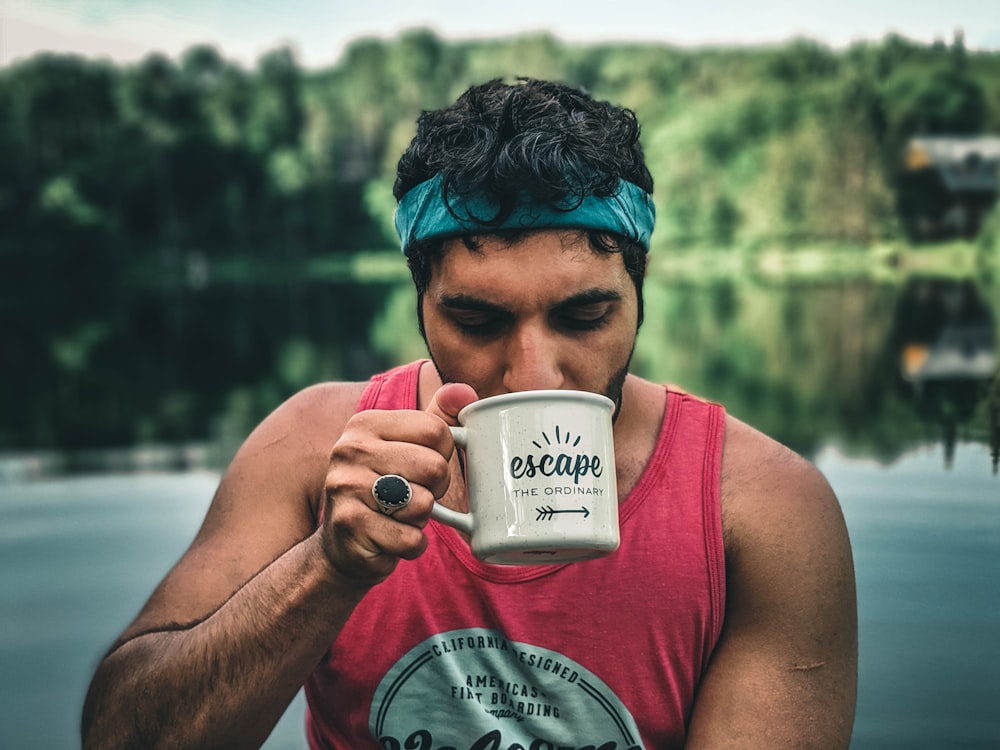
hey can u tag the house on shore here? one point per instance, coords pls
(948, 185)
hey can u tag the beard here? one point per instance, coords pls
(613, 389)
(616, 386)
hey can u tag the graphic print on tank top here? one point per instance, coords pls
(473, 689)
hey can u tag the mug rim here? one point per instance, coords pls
(547, 395)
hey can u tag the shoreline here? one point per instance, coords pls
(26, 466)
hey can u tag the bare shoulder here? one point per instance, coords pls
(781, 520)
(302, 429)
(321, 404)
(787, 656)
(765, 482)
(283, 462)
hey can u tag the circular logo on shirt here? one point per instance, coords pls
(474, 689)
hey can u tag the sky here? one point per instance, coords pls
(318, 30)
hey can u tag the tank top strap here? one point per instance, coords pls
(393, 389)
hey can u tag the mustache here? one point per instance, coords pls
(613, 389)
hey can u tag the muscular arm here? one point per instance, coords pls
(232, 632)
(249, 608)
(224, 681)
(785, 670)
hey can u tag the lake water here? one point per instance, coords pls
(79, 556)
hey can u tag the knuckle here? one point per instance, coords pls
(430, 471)
(346, 517)
(365, 419)
(431, 431)
(439, 476)
(351, 449)
(341, 484)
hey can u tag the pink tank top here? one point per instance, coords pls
(450, 653)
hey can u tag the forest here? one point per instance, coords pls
(185, 242)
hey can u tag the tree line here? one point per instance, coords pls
(129, 192)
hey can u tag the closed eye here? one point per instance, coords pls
(586, 311)
(475, 317)
(584, 318)
(479, 325)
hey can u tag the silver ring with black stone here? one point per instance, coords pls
(391, 492)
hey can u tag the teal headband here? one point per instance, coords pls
(425, 213)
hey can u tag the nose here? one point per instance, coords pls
(532, 361)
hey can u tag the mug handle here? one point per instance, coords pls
(454, 518)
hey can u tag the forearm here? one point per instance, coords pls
(225, 681)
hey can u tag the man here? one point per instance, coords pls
(726, 619)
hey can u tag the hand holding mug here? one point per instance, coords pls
(540, 470)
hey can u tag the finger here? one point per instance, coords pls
(364, 544)
(355, 500)
(392, 441)
(450, 399)
(425, 468)
(402, 540)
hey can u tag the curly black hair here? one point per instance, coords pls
(550, 140)
(542, 137)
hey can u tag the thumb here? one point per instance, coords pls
(450, 399)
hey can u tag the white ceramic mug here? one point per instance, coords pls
(540, 469)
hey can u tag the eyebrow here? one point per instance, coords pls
(581, 299)
(590, 297)
(468, 302)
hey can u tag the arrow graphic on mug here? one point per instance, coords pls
(547, 512)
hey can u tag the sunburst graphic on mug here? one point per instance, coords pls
(561, 437)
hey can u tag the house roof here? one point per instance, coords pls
(965, 163)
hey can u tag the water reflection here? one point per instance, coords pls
(866, 360)
(945, 336)
(874, 365)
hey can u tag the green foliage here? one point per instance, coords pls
(989, 237)
(163, 222)
(803, 362)
(394, 333)
(941, 99)
(381, 207)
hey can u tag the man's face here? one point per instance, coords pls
(545, 312)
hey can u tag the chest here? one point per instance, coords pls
(449, 651)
